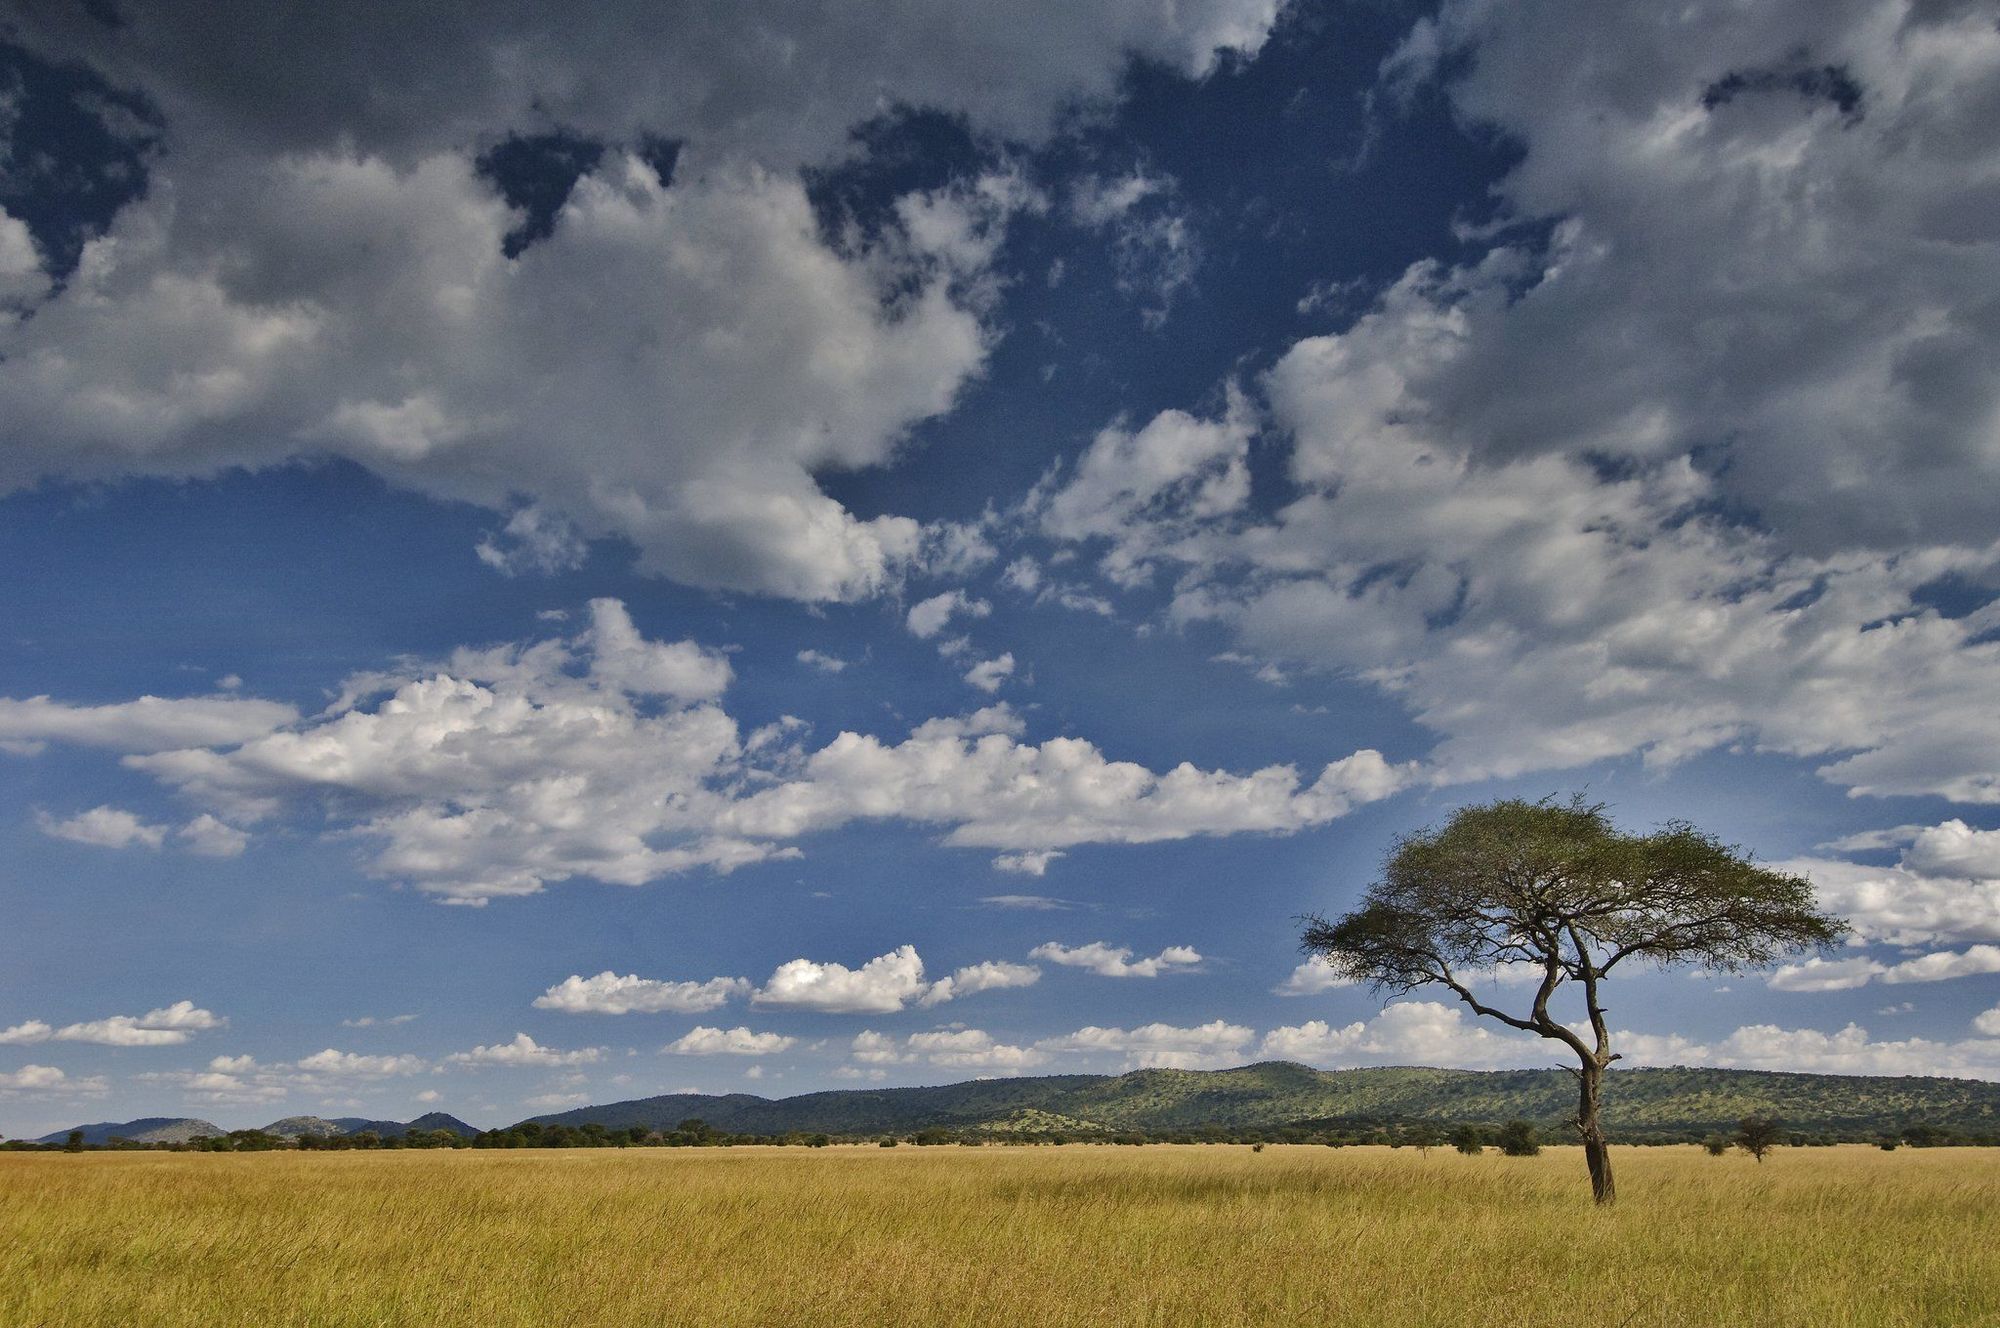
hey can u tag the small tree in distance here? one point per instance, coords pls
(1469, 1140)
(1517, 1139)
(1757, 1135)
(1557, 887)
(1716, 1144)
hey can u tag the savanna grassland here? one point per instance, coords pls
(1166, 1235)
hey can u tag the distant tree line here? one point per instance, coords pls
(1756, 1134)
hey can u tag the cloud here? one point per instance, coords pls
(1407, 1033)
(929, 617)
(669, 354)
(1027, 864)
(825, 663)
(370, 1021)
(148, 724)
(1212, 1045)
(1944, 888)
(1523, 500)
(885, 983)
(230, 1080)
(611, 993)
(1110, 961)
(973, 1049)
(104, 827)
(1988, 1022)
(49, 1079)
(604, 753)
(988, 674)
(991, 975)
(1037, 903)
(523, 1050)
(732, 1042)
(1806, 1050)
(212, 838)
(166, 1027)
(355, 1065)
(1311, 978)
(1818, 974)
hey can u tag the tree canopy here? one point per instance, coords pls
(1557, 887)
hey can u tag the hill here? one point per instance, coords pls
(1640, 1103)
(294, 1126)
(145, 1130)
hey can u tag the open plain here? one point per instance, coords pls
(1158, 1235)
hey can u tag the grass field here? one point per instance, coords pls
(1105, 1235)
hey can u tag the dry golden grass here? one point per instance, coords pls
(1103, 1235)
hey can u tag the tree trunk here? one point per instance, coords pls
(1596, 1152)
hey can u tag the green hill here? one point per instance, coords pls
(1640, 1103)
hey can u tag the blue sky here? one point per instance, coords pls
(763, 552)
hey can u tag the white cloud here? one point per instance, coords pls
(672, 363)
(166, 1027)
(1818, 974)
(991, 975)
(370, 1021)
(605, 754)
(872, 1048)
(822, 661)
(1805, 1050)
(884, 984)
(973, 1049)
(1988, 1022)
(212, 838)
(612, 993)
(728, 1042)
(1036, 903)
(149, 724)
(104, 827)
(355, 1065)
(988, 674)
(1034, 863)
(1311, 978)
(1212, 1045)
(49, 1079)
(533, 541)
(555, 1101)
(523, 1050)
(1943, 889)
(1111, 961)
(929, 617)
(1408, 1033)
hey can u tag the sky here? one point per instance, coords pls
(751, 547)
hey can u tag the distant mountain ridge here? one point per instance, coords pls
(1639, 1102)
(183, 1129)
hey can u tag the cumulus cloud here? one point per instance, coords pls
(988, 674)
(148, 724)
(1523, 498)
(1212, 1045)
(1111, 961)
(613, 993)
(165, 1027)
(728, 1042)
(1027, 864)
(1407, 1033)
(992, 975)
(1850, 1051)
(669, 356)
(104, 827)
(884, 984)
(212, 838)
(336, 1064)
(1311, 978)
(1943, 889)
(1819, 974)
(973, 1049)
(523, 1050)
(822, 661)
(607, 754)
(929, 617)
(49, 1079)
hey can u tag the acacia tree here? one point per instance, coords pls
(1556, 886)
